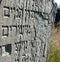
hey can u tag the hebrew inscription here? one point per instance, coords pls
(5, 30)
(25, 30)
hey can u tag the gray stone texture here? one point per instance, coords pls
(26, 29)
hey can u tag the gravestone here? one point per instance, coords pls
(25, 30)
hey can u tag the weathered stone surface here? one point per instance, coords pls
(25, 30)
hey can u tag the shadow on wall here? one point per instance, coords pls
(0, 1)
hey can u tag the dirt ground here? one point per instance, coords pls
(56, 36)
(54, 54)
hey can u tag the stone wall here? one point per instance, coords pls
(25, 30)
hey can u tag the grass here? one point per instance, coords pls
(54, 54)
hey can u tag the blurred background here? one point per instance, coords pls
(54, 53)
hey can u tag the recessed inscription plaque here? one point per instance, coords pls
(5, 50)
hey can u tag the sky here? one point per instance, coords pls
(58, 2)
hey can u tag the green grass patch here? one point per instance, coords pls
(54, 54)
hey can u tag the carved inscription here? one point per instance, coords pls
(9, 10)
(22, 46)
(5, 31)
(6, 11)
(21, 19)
